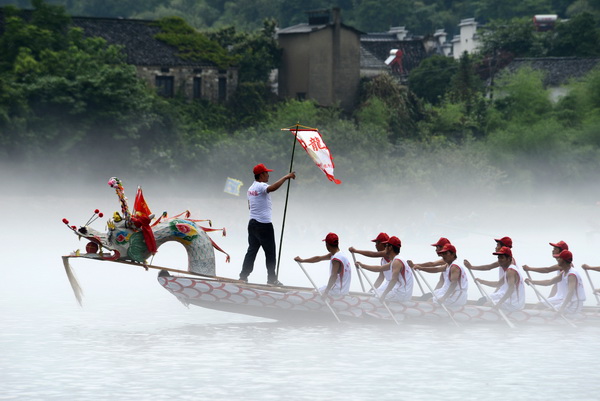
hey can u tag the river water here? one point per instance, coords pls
(133, 340)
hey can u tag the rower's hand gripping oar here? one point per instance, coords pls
(418, 273)
(411, 264)
(540, 296)
(317, 289)
(485, 294)
(360, 270)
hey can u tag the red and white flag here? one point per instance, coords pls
(313, 144)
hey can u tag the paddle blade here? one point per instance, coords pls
(77, 291)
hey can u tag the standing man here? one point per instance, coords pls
(399, 276)
(340, 269)
(260, 227)
(510, 288)
(454, 290)
(380, 252)
(570, 294)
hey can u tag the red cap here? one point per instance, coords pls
(382, 237)
(447, 248)
(565, 255)
(260, 168)
(395, 241)
(504, 251)
(331, 239)
(441, 242)
(505, 241)
(560, 244)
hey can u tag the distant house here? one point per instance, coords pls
(467, 41)
(158, 63)
(557, 70)
(320, 60)
(394, 51)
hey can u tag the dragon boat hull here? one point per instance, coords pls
(296, 303)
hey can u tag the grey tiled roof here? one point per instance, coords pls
(137, 37)
(558, 70)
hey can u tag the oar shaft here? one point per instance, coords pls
(435, 296)
(376, 294)
(319, 292)
(540, 296)
(592, 285)
(485, 294)
(362, 285)
(537, 294)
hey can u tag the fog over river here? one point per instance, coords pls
(133, 340)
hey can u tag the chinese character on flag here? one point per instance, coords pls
(313, 144)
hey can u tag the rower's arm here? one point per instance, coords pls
(430, 264)
(369, 254)
(454, 277)
(572, 288)
(379, 280)
(397, 267)
(488, 283)
(546, 282)
(588, 267)
(374, 268)
(548, 269)
(336, 268)
(430, 269)
(511, 278)
(481, 267)
(313, 259)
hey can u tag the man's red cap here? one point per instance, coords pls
(395, 241)
(382, 237)
(260, 168)
(447, 248)
(441, 242)
(505, 241)
(565, 255)
(331, 239)
(504, 251)
(560, 244)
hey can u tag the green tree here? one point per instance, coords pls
(431, 79)
(578, 36)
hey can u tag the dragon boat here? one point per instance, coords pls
(131, 238)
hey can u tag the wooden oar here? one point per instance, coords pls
(485, 294)
(549, 304)
(376, 294)
(435, 296)
(317, 289)
(593, 288)
(537, 294)
(411, 264)
(359, 277)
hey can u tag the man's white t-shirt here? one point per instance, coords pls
(259, 201)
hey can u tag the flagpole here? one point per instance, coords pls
(287, 194)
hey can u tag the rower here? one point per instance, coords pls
(399, 277)
(501, 242)
(380, 252)
(557, 248)
(510, 293)
(454, 290)
(437, 263)
(570, 294)
(340, 269)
